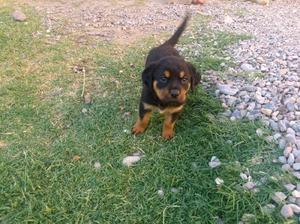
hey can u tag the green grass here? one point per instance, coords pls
(42, 123)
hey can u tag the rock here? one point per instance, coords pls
(247, 67)
(244, 176)
(87, 98)
(160, 193)
(227, 90)
(249, 186)
(282, 159)
(132, 159)
(296, 166)
(282, 125)
(84, 110)
(266, 111)
(292, 199)
(259, 132)
(268, 209)
(297, 175)
(289, 187)
(214, 162)
(174, 190)
(287, 211)
(97, 165)
(19, 16)
(287, 151)
(228, 20)
(219, 181)
(282, 143)
(279, 197)
(290, 138)
(296, 194)
(286, 168)
(291, 159)
(296, 208)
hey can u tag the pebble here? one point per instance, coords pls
(268, 209)
(286, 167)
(296, 166)
(291, 159)
(160, 193)
(247, 67)
(289, 187)
(214, 162)
(287, 211)
(219, 181)
(296, 194)
(227, 90)
(279, 197)
(19, 16)
(132, 159)
(249, 185)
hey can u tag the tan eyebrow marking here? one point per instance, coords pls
(167, 74)
(181, 74)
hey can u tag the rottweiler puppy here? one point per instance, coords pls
(167, 79)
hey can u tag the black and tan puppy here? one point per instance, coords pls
(167, 78)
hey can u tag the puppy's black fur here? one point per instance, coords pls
(167, 78)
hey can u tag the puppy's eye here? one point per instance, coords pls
(163, 80)
(184, 80)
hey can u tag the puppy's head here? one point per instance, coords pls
(171, 78)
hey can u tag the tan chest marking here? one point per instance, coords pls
(167, 110)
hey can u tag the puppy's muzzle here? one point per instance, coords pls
(174, 93)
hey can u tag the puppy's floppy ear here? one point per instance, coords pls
(147, 75)
(195, 76)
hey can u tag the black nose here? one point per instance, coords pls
(174, 92)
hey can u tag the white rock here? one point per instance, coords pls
(279, 197)
(289, 187)
(131, 160)
(219, 181)
(296, 208)
(287, 211)
(259, 132)
(19, 16)
(249, 185)
(160, 193)
(214, 162)
(244, 176)
(97, 165)
(291, 159)
(296, 166)
(296, 193)
(247, 67)
(248, 218)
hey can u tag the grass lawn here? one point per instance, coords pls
(42, 128)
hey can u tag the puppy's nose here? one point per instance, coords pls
(174, 92)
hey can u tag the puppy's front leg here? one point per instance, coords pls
(168, 128)
(142, 122)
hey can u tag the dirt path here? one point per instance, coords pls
(121, 21)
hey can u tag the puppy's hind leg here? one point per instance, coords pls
(142, 122)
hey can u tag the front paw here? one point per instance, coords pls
(168, 134)
(137, 129)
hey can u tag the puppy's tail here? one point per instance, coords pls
(174, 39)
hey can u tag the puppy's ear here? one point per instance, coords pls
(195, 76)
(147, 75)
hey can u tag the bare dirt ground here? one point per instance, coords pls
(121, 21)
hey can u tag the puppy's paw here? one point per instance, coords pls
(138, 129)
(167, 134)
